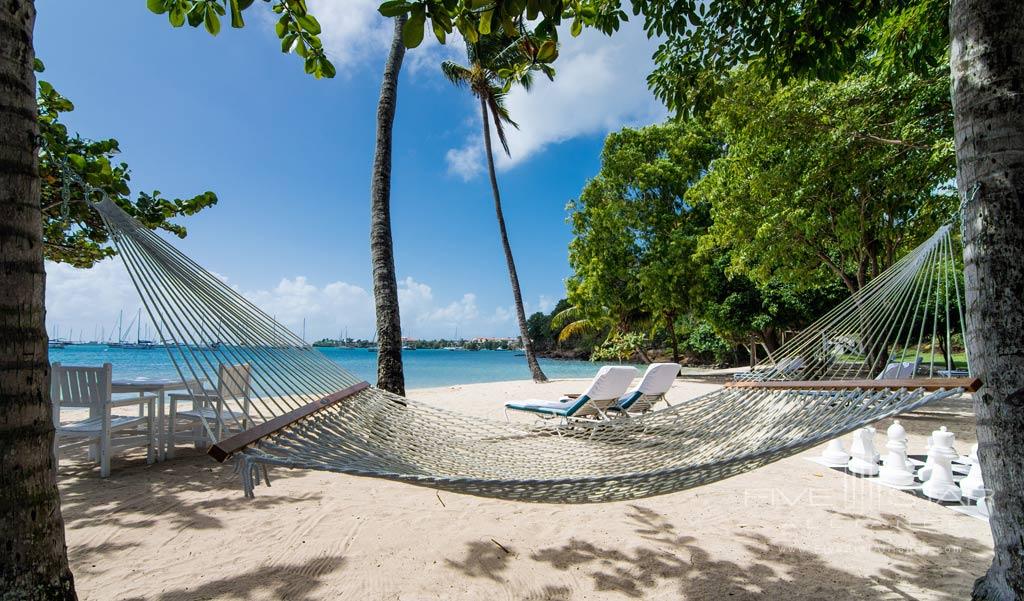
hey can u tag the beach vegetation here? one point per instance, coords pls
(73, 232)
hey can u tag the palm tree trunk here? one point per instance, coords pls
(988, 101)
(35, 563)
(531, 358)
(390, 376)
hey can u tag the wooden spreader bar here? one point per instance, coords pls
(232, 444)
(968, 384)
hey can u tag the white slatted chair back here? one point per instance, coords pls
(85, 387)
(234, 381)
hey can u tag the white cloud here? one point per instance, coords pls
(354, 32)
(466, 162)
(80, 302)
(600, 87)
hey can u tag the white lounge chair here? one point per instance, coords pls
(653, 386)
(604, 391)
(900, 370)
(89, 388)
(225, 409)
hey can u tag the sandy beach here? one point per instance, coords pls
(182, 530)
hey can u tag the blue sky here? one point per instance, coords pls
(290, 157)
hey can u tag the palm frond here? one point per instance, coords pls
(501, 117)
(576, 328)
(456, 73)
(571, 313)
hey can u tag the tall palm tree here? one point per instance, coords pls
(35, 563)
(489, 56)
(390, 375)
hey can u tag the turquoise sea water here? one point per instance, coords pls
(423, 368)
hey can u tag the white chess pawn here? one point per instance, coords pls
(972, 485)
(834, 454)
(940, 485)
(926, 470)
(896, 471)
(862, 461)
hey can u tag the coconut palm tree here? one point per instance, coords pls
(390, 375)
(35, 564)
(496, 62)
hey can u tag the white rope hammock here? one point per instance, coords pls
(312, 414)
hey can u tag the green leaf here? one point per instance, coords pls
(577, 27)
(282, 26)
(244, 4)
(485, 22)
(196, 16)
(176, 16)
(309, 23)
(37, 65)
(157, 6)
(393, 8)
(412, 32)
(548, 52)
(439, 32)
(77, 162)
(236, 15)
(287, 42)
(327, 68)
(212, 22)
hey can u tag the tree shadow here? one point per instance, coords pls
(190, 491)
(483, 559)
(964, 559)
(297, 581)
(777, 571)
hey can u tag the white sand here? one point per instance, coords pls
(792, 530)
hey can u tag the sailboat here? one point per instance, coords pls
(139, 343)
(56, 342)
(454, 348)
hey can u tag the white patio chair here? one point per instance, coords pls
(89, 388)
(213, 412)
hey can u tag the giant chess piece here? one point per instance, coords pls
(896, 471)
(862, 461)
(926, 470)
(876, 456)
(983, 507)
(834, 454)
(972, 485)
(940, 485)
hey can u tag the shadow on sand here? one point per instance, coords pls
(182, 492)
(671, 563)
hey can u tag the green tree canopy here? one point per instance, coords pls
(73, 232)
(636, 232)
(826, 180)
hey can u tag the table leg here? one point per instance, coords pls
(161, 450)
(169, 432)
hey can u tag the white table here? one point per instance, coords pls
(158, 386)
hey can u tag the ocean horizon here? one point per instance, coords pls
(424, 368)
